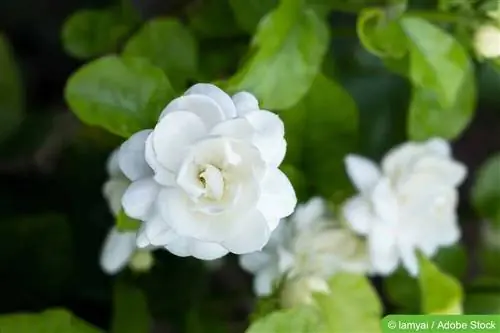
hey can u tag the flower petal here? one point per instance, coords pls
(179, 246)
(142, 240)
(202, 106)
(385, 202)
(446, 171)
(173, 135)
(263, 282)
(254, 262)
(309, 213)
(384, 253)
(117, 250)
(245, 102)
(131, 157)
(409, 259)
(252, 235)
(439, 146)
(161, 174)
(218, 95)
(158, 231)
(363, 173)
(206, 250)
(237, 128)
(139, 198)
(112, 166)
(113, 191)
(358, 214)
(278, 199)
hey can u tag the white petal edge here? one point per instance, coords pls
(253, 234)
(138, 200)
(117, 250)
(131, 157)
(245, 102)
(218, 95)
(363, 173)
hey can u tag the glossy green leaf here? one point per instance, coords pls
(11, 91)
(440, 293)
(49, 321)
(402, 289)
(486, 190)
(121, 94)
(130, 310)
(213, 18)
(297, 320)
(94, 32)
(249, 13)
(320, 131)
(288, 50)
(352, 305)
(444, 94)
(125, 223)
(482, 303)
(168, 44)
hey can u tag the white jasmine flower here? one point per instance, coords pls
(119, 247)
(205, 180)
(299, 290)
(487, 41)
(310, 243)
(406, 205)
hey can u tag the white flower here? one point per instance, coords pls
(206, 180)
(487, 41)
(116, 185)
(299, 290)
(406, 205)
(309, 243)
(119, 247)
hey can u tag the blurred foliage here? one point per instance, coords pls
(344, 75)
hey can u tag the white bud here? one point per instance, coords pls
(487, 41)
(141, 261)
(299, 290)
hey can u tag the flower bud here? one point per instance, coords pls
(141, 261)
(299, 290)
(487, 41)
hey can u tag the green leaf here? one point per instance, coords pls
(486, 190)
(168, 44)
(121, 94)
(403, 289)
(213, 18)
(249, 13)
(320, 131)
(130, 311)
(94, 32)
(440, 293)
(125, 223)
(49, 321)
(288, 49)
(482, 303)
(444, 94)
(296, 320)
(11, 91)
(352, 305)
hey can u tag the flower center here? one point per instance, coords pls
(212, 181)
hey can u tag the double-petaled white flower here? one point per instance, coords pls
(487, 41)
(119, 247)
(307, 248)
(407, 204)
(205, 180)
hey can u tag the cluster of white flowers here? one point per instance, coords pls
(120, 248)
(206, 182)
(306, 249)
